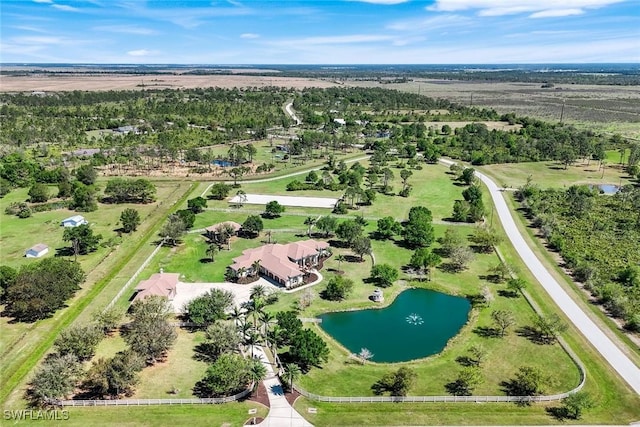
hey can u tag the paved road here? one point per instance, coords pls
(607, 348)
(289, 109)
(281, 414)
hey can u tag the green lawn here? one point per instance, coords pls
(385, 414)
(341, 377)
(552, 174)
(180, 370)
(24, 344)
(44, 227)
(229, 414)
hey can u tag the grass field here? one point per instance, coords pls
(230, 414)
(44, 227)
(24, 344)
(432, 188)
(347, 379)
(552, 174)
(341, 376)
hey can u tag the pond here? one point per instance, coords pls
(608, 188)
(417, 324)
(222, 163)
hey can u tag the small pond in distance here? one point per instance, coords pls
(417, 324)
(608, 188)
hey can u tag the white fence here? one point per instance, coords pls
(432, 399)
(150, 402)
(135, 275)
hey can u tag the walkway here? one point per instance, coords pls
(281, 414)
(607, 348)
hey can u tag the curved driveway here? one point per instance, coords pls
(620, 362)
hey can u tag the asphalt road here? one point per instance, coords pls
(607, 348)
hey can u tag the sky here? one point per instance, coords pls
(319, 32)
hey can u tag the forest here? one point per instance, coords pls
(43, 136)
(598, 237)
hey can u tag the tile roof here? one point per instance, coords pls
(162, 284)
(277, 258)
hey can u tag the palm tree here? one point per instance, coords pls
(252, 339)
(266, 319)
(291, 373)
(258, 291)
(340, 258)
(255, 268)
(268, 234)
(211, 250)
(309, 222)
(257, 373)
(237, 315)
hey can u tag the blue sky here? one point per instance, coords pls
(320, 32)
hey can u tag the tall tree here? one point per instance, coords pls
(86, 174)
(79, 341)
(418, 230)
(41, 288)
(503, 319)
(209, 307)
(327, 224)
(82, 239)
(130, 220)
(173, 230)
(56, 379)
(150, 334)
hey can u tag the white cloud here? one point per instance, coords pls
(537, 8)
(357, 38)
(29, 28)
(142, 52)
(431, 23)
(39, 40)
(43, 1)
(126, 29)
(249, 36)
(65, 7)
(556, 13)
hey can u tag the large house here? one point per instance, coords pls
(161, 284)
(286, 264)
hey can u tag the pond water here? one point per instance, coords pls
(608, 188)
(223, 163)
(417, 324)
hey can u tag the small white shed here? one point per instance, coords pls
(74, 221)
(36, 251)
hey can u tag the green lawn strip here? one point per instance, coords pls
(290, 219)
(61, 320)
(553, 174)
(550, 260)
(384, 414)
(229, 414)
